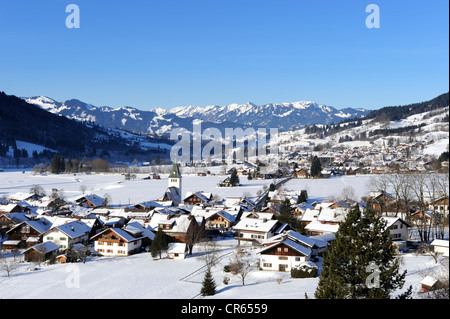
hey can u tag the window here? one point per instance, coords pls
(62, 238)
(100, 243)
(286, 250)
(282, 258)
(267, 265)
(25, 229)
(49, 238)
(279, 249)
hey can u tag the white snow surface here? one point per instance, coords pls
(140, 276)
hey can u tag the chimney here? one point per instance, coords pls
(73, 229)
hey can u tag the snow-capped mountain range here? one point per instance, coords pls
(159, 121)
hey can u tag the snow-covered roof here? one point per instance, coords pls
(73, 229)
(44, 247)
(440, 242)
(319, 227)
(294, 245)
(252, 224)
(177, 248)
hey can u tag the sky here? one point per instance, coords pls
(148, 54)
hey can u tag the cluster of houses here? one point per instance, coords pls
(373, 159)
(30, 223)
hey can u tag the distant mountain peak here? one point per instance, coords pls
(280, 115)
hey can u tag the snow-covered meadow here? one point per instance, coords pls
(139, 276)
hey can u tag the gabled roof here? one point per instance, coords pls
(72, 229)
(45, 247)
(260, 225)
(39, 225)
(294, 245)
(127, 237)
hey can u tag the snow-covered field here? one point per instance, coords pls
(139, 276)
(136, 191)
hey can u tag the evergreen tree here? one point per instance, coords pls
(208, 285)
(303, 197)
(286, 215)
(316, 167)
(54, 165)
(234, 178)
(159, 243)
(361, 263)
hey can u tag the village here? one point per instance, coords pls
(39, 229)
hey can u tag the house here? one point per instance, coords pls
(253, 231)
(197, 198)
(301, 173)
(40, 252)
(10, 208)
(177, 227)
(67, 235)
(117, 242)
(137, 228)
(398, 228)
(440, 204)
(217, 218)
(24, 197)
(315, 228)
(380, 199)
(29, 232)
(177, 251)
(90, 201)
(9, 220)
(284, 254)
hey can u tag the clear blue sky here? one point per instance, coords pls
(148, 54)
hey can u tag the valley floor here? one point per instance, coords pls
(140, 276)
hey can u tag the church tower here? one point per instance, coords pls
(175, 178)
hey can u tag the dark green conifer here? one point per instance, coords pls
(361, 263)
(208, 285)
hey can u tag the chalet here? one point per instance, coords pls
(301, 173)
(117, 242)
(28, 233)
(398, 228)
(90, 201)
(9, 220)
(136, 228)
(284, 254)
(197, 198)
(315, 228)
(40, 252)
(66, 235)
(217, 218)
(380, 199)
(10, 208)
(24, 197)
(440, 204)
(254, 231)
(181, 225)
